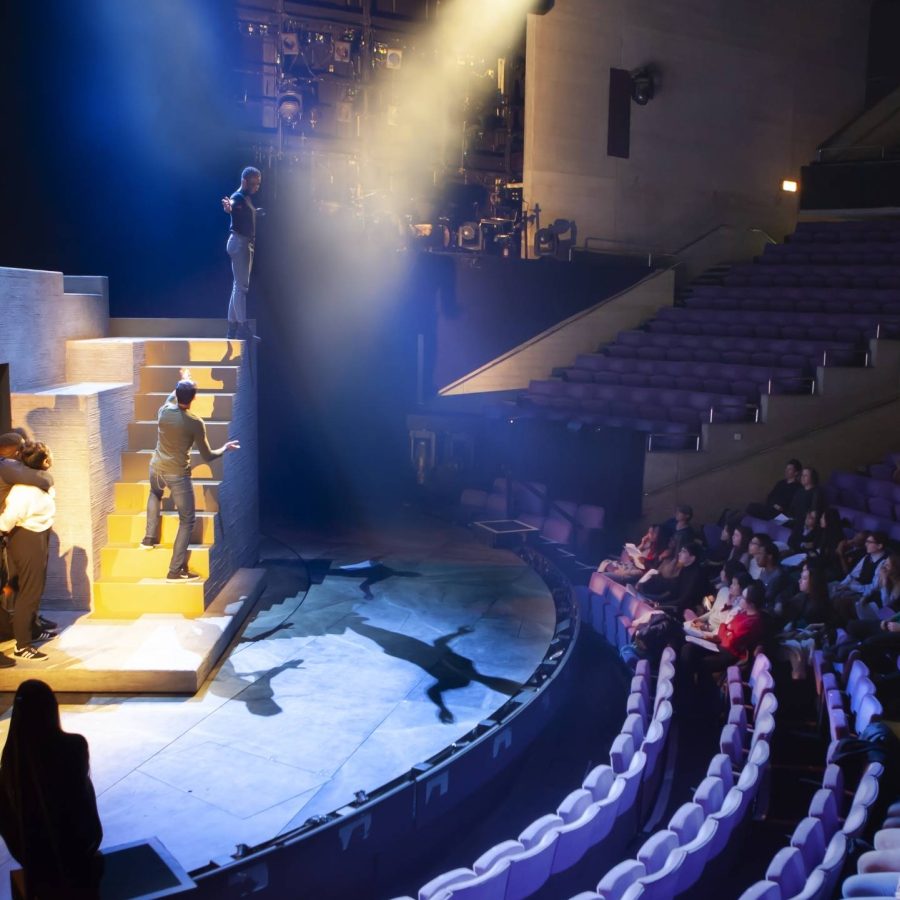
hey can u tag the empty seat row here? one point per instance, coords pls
(740, 350)
(830, 228)
(847, 296)
(811, 865)
(747, 380)
(723, 323)
(606, 806)
(672, 860)
(776, 302)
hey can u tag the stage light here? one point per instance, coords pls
(290, 108)
(789, 185)
(470, 236)
(643, 87)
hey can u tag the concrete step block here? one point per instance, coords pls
(130, 561)
(143, 435)
(131, 496)
(136, 465)
(192, 351)
(129, 598)
(129, 528)
(208, 378)
(216, 406)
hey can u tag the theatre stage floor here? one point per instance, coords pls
(330, 690)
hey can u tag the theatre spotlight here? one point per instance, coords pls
(789, 185)
(541, 7)
(643, 86)
(470, 236)
(290, 108)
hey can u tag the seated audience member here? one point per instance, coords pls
(775, 581)
(753, 548)
(48, 811)
(809, 607)
(736, 638)
(885, 596)
(805, 535)
(809, 497)
(831, 538)
(735, 540)
(674, 534)
(779, 500)
(634, 560)
(845, 593)
(724, 607)
(879, 650)
(686, 589)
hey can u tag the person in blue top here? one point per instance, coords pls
(240, 246)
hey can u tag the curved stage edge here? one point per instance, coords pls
(386, 677)
(359, 848)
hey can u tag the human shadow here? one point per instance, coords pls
(451, 670)
(370, 572)
(259, 695)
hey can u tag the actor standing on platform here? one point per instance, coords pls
(241, 239)
(27, 518)
(170, 466)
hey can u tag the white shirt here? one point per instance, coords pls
(28, 507)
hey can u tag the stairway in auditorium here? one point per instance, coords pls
(133, 581)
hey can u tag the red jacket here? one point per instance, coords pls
(742, 633)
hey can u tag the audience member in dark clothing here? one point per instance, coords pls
(48, 811)
(831, 537)
(805, 535)
(810, 604)
(779, 500)
(674, 534)
(686, 589)
(810, 497)
(775, 581)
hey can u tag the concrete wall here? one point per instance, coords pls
(38, 318)
(86, 426)
(558, 346)
(747, 92)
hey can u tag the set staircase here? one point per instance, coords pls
(133, 581)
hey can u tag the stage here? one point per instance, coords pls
(369, 652)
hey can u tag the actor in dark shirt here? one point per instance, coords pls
(240, 246)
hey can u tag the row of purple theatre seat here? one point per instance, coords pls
(811, 865)
(810, 275)
(746, 350)
(847, 296)
(585, 401)
(672, 860)
(848, 326)
(747, 380)
(773, 299)
(881, 253)
(856, 495)
(596, 818)
(849, 230)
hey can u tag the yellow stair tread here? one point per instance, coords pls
(126, 579)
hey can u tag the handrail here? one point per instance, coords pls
(650, 252)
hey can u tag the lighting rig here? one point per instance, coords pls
(327, 91)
